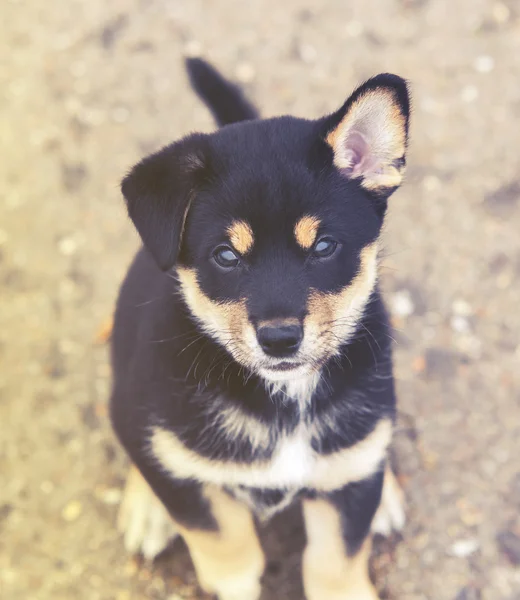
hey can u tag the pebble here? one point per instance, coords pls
(110, 496)
(67, 246)
(460, 324)
(245, 72)
(47, 487)
(469, 344)
(469, 94)
(78, 68)
(402, 304)
(509, 544)
(307, 53)
(354, 28)
(72, 511)
(468, 593)
(500, 12)
(193, 49)
(120, 114)
(431, 183)
(484, 64)
(462, 308)
(464, 548)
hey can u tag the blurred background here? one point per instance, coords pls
(89, 87)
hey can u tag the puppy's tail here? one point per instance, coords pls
(224, 99)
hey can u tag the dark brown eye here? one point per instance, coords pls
(324, 248)
(225, 257)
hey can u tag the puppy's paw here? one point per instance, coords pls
(143, 520)
(390, 515)
(239, 589)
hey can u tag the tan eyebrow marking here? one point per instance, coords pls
(306, 231)
(241, 236)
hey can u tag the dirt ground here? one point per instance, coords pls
(87, 88)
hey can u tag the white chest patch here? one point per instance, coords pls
(294, 463)
(300, 389)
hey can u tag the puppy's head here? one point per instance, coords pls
(272, 226)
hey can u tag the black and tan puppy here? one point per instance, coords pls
(251, 352)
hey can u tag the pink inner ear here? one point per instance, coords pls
(357, 153)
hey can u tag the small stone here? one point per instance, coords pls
(441, 363)
(484, 64)
(72, 511)
(92, 117)
(78, 68)
(193, 49)
(104, 331)
(431, 183)
(470, 515)
(468, 593)
(500, 12)
(469, 94)
(459, 324)
(419, 364)
(307, 53)
(469, 345)
(109, 496)
(245, 72)
(14, 200)
(402, 304)
(461, 308)
(509, 544)
(67, 246)
(464, 548)
(120, 114)
(47, 487)
(354, 28)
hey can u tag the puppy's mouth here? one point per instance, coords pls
(284, 370)
(285, 366)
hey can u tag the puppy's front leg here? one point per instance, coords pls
(335, 561)
(228, 561)
(218, 530)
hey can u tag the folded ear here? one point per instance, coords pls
(158, 192)
(369, 134)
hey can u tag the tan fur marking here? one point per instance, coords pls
(230, 561)
(293, 462)
(328, 572)
(225, 321)
(306, 230)
(241, 236)
(377, 117)
(339, 313)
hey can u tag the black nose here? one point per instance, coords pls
(279, 341)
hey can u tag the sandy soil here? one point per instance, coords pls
(88, 87)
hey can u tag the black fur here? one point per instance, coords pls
(225, 100)
(168, 371)
(357, 504)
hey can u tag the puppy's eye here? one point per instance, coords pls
(324, 248)
(225, 257)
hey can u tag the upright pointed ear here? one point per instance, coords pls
(369, 134)
(158, 192)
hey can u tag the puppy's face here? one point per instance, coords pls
(272, 226)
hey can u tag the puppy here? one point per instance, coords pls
(251, 356)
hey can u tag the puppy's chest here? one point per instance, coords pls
(290, 461)
(264, 502)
